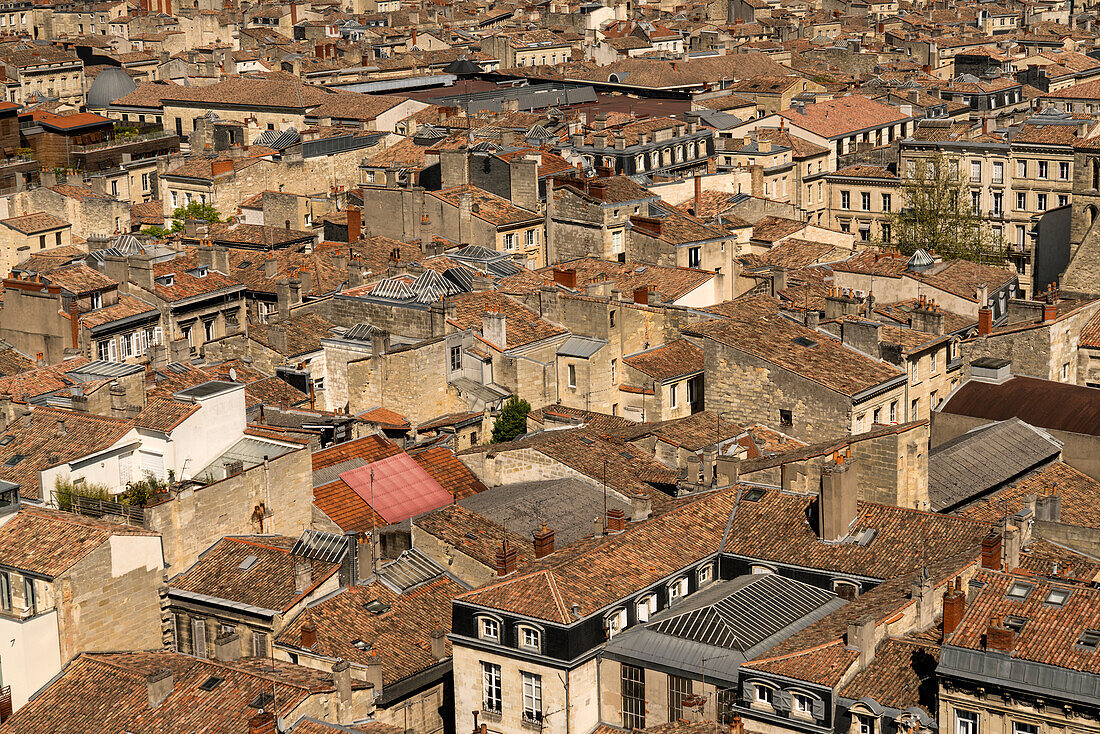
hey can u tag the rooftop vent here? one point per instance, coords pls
(803, 341)
(991, 369)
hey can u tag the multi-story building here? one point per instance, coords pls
(861, 199)
(42, 70)
(656, 145)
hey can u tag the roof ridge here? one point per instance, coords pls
(558, 599)
(246, 541)
(796, 653)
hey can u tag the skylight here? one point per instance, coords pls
(1057, 597)
(754, 495)
(15, 459)
(248, 563)
(1089, 639)
(1019, 591)
(211, 683)
(803, 341)
(375, 606)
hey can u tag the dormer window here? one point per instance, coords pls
(615, 622)
(166, 280)
(530, 638)
(199, 272)
(488, 629)
(706, 574)
(647, 605)
(677, 589)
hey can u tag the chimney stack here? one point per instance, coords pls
(616, 520)
(729, 470)
(506, 560)
(309, 634)
(641, 295)
(160, 685)
(698, 195)
(341, 679)
(494, 328)
(641, 507)
(374, 674)
(985, 321)
(954, 607)
(1050, 311)
(303, 574)
(544, 542)
(836, 504)
(439, 643)
(566, 277)
(861, 637)
(998, 637)
(227, 647)
(991, 551)
(262, 723)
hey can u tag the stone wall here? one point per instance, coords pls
(412, 382)
(192, 520)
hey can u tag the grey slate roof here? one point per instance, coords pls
(757, 612)
(580, 346)
(984, 459)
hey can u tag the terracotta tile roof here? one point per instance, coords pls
(864, 171)
(962, 277)
(249, 267)
(902, 312)
(254, 234)
(13, 361)
(1046, 134)
(348, 510)
(268, 582)
(668, 361)
(79, 279)
(126, 307)
(259, 93)
(450, 419)
(441, 465)
(475, 535)
(184, 285)
(601, 424)
(1051, 633)
(1085, 90)
(522, 325)
(400, 637)
(796, 253)
(48, 542)
(303, 331)
(773, 528)
(34, 223)
(1080, 496)
(164, 414)
(903, 674)
(103, 693)
(147, 213)
(367, 449)
(1044, 558)
(314, 726)
(354, 106)
(32, 382)
(824, 664)
(842, 116)
(274, 391)
(692, 432)
(38, 439)
(1043, 403)
(772, 228)
(874, 262)
(74, 191)
(669, 283)
(488, 206)
(824, 360)
(663, 74)
(384, 418)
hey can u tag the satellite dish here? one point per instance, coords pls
(232, 374)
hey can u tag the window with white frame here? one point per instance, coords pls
(646, 606)
(509, 241)
(673, 395)
(866, 724)
(615, 622)
(678, 589)
(532, 697)
(492, 698)
(762, 694)
(488, 629)
(617, 242)
(530, 638)
(706, 574)
(1020, 727)
(966, 722)
(802, 704)
(571, 371)
(531, 237)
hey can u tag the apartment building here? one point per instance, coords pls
(861, 200)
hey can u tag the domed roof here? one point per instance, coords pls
(109, 85)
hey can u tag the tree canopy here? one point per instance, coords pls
(194, 210)
(512, 421)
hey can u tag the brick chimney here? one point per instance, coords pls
(597, 189)
(262, 723)
(160, 686)
(985, 321)
(506, 560)
(616, 520)
(355, 224)
(998, 637)
(698, 196)
(544, 542)
(566, 277)
(991, 551)
(836, 503)
(954, 607)
(641, 295)
(1050, 311)
(309, 635)
(649, 225)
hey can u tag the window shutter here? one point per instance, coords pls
(819, 709)
(259, 644)
(198, 637)
(748, 693)
(112, 351)
(781, 700)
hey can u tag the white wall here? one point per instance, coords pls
(217, 425)
(30, 654)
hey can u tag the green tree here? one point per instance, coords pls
(936, 214)
(194, 210)
(512, 420)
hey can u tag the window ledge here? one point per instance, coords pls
(490, 715)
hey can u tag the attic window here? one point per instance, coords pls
(5, 440)
(166, 280)
(199, 272)
(211, 683)
(262, 701)
(587, 441)
(804, 341)
(245, 264)
(248, 563)
(1015, 622)
(361, 645)
(1089, 639)
(1057, 597)
(471, 536)
(1019, 591)
(15, 459)
(626, 455)
(376, 607)
(753, 495)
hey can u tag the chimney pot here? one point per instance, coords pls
(506, 560)
(991, 551)
(985, 321)
(954, 606)
(309, 635)
(616, 520)
(998, 637)
(544, 542)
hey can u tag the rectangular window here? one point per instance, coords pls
(456, 358)
(894, 412)
(865, 201)
(976, 201)
(259, 644)
(998, 172)
(492, 698)
(932, 363)
(998, 202)
(1021, 201)
(845, 199)
(966, 722)
(198, 638)
(886, 232)
(208, 331)
(786, 418)
(532, 697)
(5, 591)
(1063, 199)
(975, 170)
(633, 694)
(1019, 727)
(41, 242)
(678, 689)
(572, 371)
(763, 694)
(509, 241)
(673, 395)
(914, 409)
(694, 257)
(614, 376)
(1063, 170)
(646, 607)
(531, 237)
(886, 202)
(57, 238)
(1041, 202)
(529, 638)
(866, 724)
(802, 704)
(1021, 169)
(1065, 371)
(489, 629)
(616, 242)
(1044, 169)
